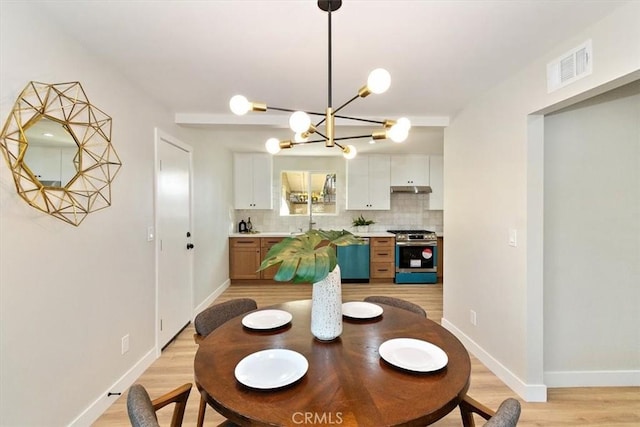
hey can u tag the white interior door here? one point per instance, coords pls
(173, 222)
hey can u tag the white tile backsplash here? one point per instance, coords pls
(407, 211)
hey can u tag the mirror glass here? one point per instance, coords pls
(51, 152)
(305, 190)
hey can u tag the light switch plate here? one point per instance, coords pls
(513, 237)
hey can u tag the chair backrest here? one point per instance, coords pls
(397, 302)
(507, 414)
(140, 408)
(212, 317)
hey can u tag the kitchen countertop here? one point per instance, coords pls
(285, 234)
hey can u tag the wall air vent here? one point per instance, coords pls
(572, 66)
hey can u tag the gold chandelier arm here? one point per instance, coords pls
(289, 110)
(364, 91)
(344, 138)
(379, 134)
(258, 106)
(345, 104)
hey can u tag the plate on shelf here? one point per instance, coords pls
(271, 369)
(266, 319)
(413, 355)
(361, 310)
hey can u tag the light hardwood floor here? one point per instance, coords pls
(606, 407)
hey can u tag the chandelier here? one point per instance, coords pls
(301, 124)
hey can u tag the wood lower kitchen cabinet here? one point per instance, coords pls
(244, 258)
(382, 254)
(246, 254)
(265, 244)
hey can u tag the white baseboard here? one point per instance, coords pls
(102, 403)
(528, 392)
(592, 379)
(211, 298)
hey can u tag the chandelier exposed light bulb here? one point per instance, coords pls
(300, 122)
(239, 105)
(404, 123)
(349, 152)
(378, 81)
(397, 133)
(272, 145)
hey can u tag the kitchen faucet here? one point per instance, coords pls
(311, 223)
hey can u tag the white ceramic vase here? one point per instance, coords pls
(326, 307)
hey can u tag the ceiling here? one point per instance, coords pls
(194, 55)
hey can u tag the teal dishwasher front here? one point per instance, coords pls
(354, 262)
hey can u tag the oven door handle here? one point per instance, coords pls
(427, 244)
(416, 270)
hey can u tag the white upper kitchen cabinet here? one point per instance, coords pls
(436, 182)
(368, 183)
(252, 180)
(409, 170)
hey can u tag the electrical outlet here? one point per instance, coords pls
(473, 318)
(125, 344)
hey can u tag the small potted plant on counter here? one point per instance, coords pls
(361, 224)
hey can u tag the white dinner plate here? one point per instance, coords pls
(361, 310)
(413, 355)
(266, 319)
(273, 368)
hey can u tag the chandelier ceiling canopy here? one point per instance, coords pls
(307, 132)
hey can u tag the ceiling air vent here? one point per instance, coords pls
(572, 66)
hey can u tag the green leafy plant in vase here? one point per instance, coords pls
(307, 257)
(311, 257)
(361, 224)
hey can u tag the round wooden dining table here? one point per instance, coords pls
(347, 382)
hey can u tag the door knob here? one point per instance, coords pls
(189, 245)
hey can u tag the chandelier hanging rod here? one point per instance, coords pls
(378, 82)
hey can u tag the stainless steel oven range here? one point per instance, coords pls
(416, 256)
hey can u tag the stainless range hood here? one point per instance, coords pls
(417, 189)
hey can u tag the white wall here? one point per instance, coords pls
(67, 294)
(592, 240)
(493, 182)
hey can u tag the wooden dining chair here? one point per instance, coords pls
(142, 410)
(397, 302)
(507, 414)
(211, 318)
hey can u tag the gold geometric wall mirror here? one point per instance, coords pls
(58, 147)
